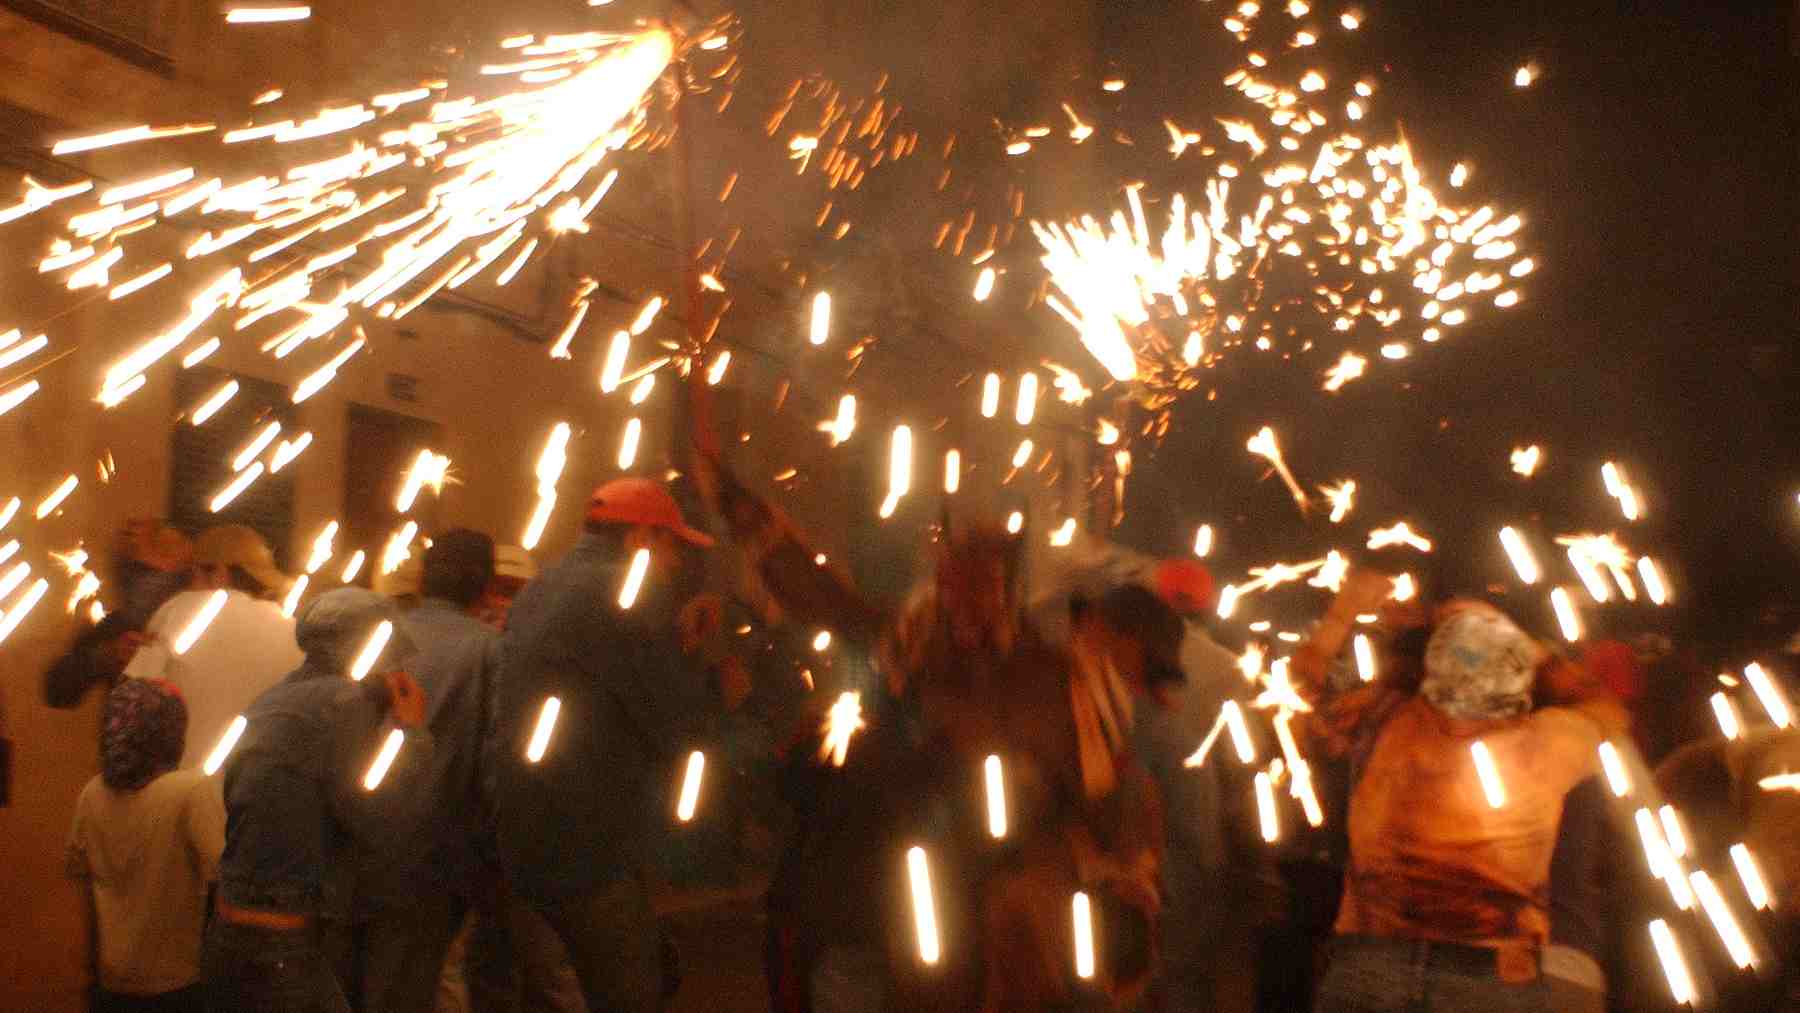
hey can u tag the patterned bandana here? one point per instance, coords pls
(1479, 666)
(143, 734)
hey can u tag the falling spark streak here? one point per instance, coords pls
(225, 745)
(1756, 889)
(1263, 444)
(1780, 782)
(355, 565)
(1617, 778)
(990, 395)
(924, 911)
(255, 447)
(1681, 983)
(14, 578)
(1522, 560)
(428, 469)
(821, 641)
(690, 786)
(1724, 922)
(1491, 785)
(1203, 541)
(236, 487)
(22, 608)
(1022, 456)
(1084, 937)
(1348, 368)
(17, 396)
(1265, 807)
(717, 371)
(1525, 460)
(191, 633)
(995, 779)
(1767, 692)
(560, 350)
(1566, 618)
(266, 15)
(984, 284)
(1028, 395)
(1365, 657)
(140, 282)
(1228, 598)
(9, 511)
(129, 135)
(540, 733)
(399, 547)
(384, 760)
(371, 651)
(1399, 534)
(841, 722)
(634, 578)
(613, 369)
(1015, 522)
(1342, 498)
(291, 603)
(540, 518)
(628, 445)
(821, 318)
(213, 403)
(844, 425)
(49, 503)
(952, 471)
(1653, 581)
(1671, 827)
(1726, 714)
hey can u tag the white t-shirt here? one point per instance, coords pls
(247, 648)
(148, 856)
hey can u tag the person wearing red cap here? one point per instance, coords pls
(599, 636)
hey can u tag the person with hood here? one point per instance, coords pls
(323, 789)
(245, 648)
(144, 847)
(1455, 800)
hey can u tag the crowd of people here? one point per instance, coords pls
(464, 781)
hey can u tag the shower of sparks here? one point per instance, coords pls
(841, 722)
(924, 910)
(196, 627)
(540, 733)
(690, 786)
(1263, 444)
(384, 759)
(1342, 498)
(994, 777)
(226, 743)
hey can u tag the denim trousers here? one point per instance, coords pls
(610, 933)
(1369, 975)
(390, 963)
(249, 968)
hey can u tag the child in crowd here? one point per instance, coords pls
(144, 846)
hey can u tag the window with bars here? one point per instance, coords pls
(200, 458)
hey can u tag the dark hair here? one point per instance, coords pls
(1134, 611)
(611, 534)
(458, 567)
(241, 580)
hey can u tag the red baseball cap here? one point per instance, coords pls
(634, 501)
(1186, 586)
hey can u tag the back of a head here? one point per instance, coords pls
(458, 567)
(1134, 611)
(142, 734)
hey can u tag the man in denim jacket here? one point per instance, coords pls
(305, 785)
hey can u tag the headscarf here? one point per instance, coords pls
(143, 734)
(1479, 666)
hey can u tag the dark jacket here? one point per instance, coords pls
(630, 705)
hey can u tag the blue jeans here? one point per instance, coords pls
(1369, 975)
(271, 972)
